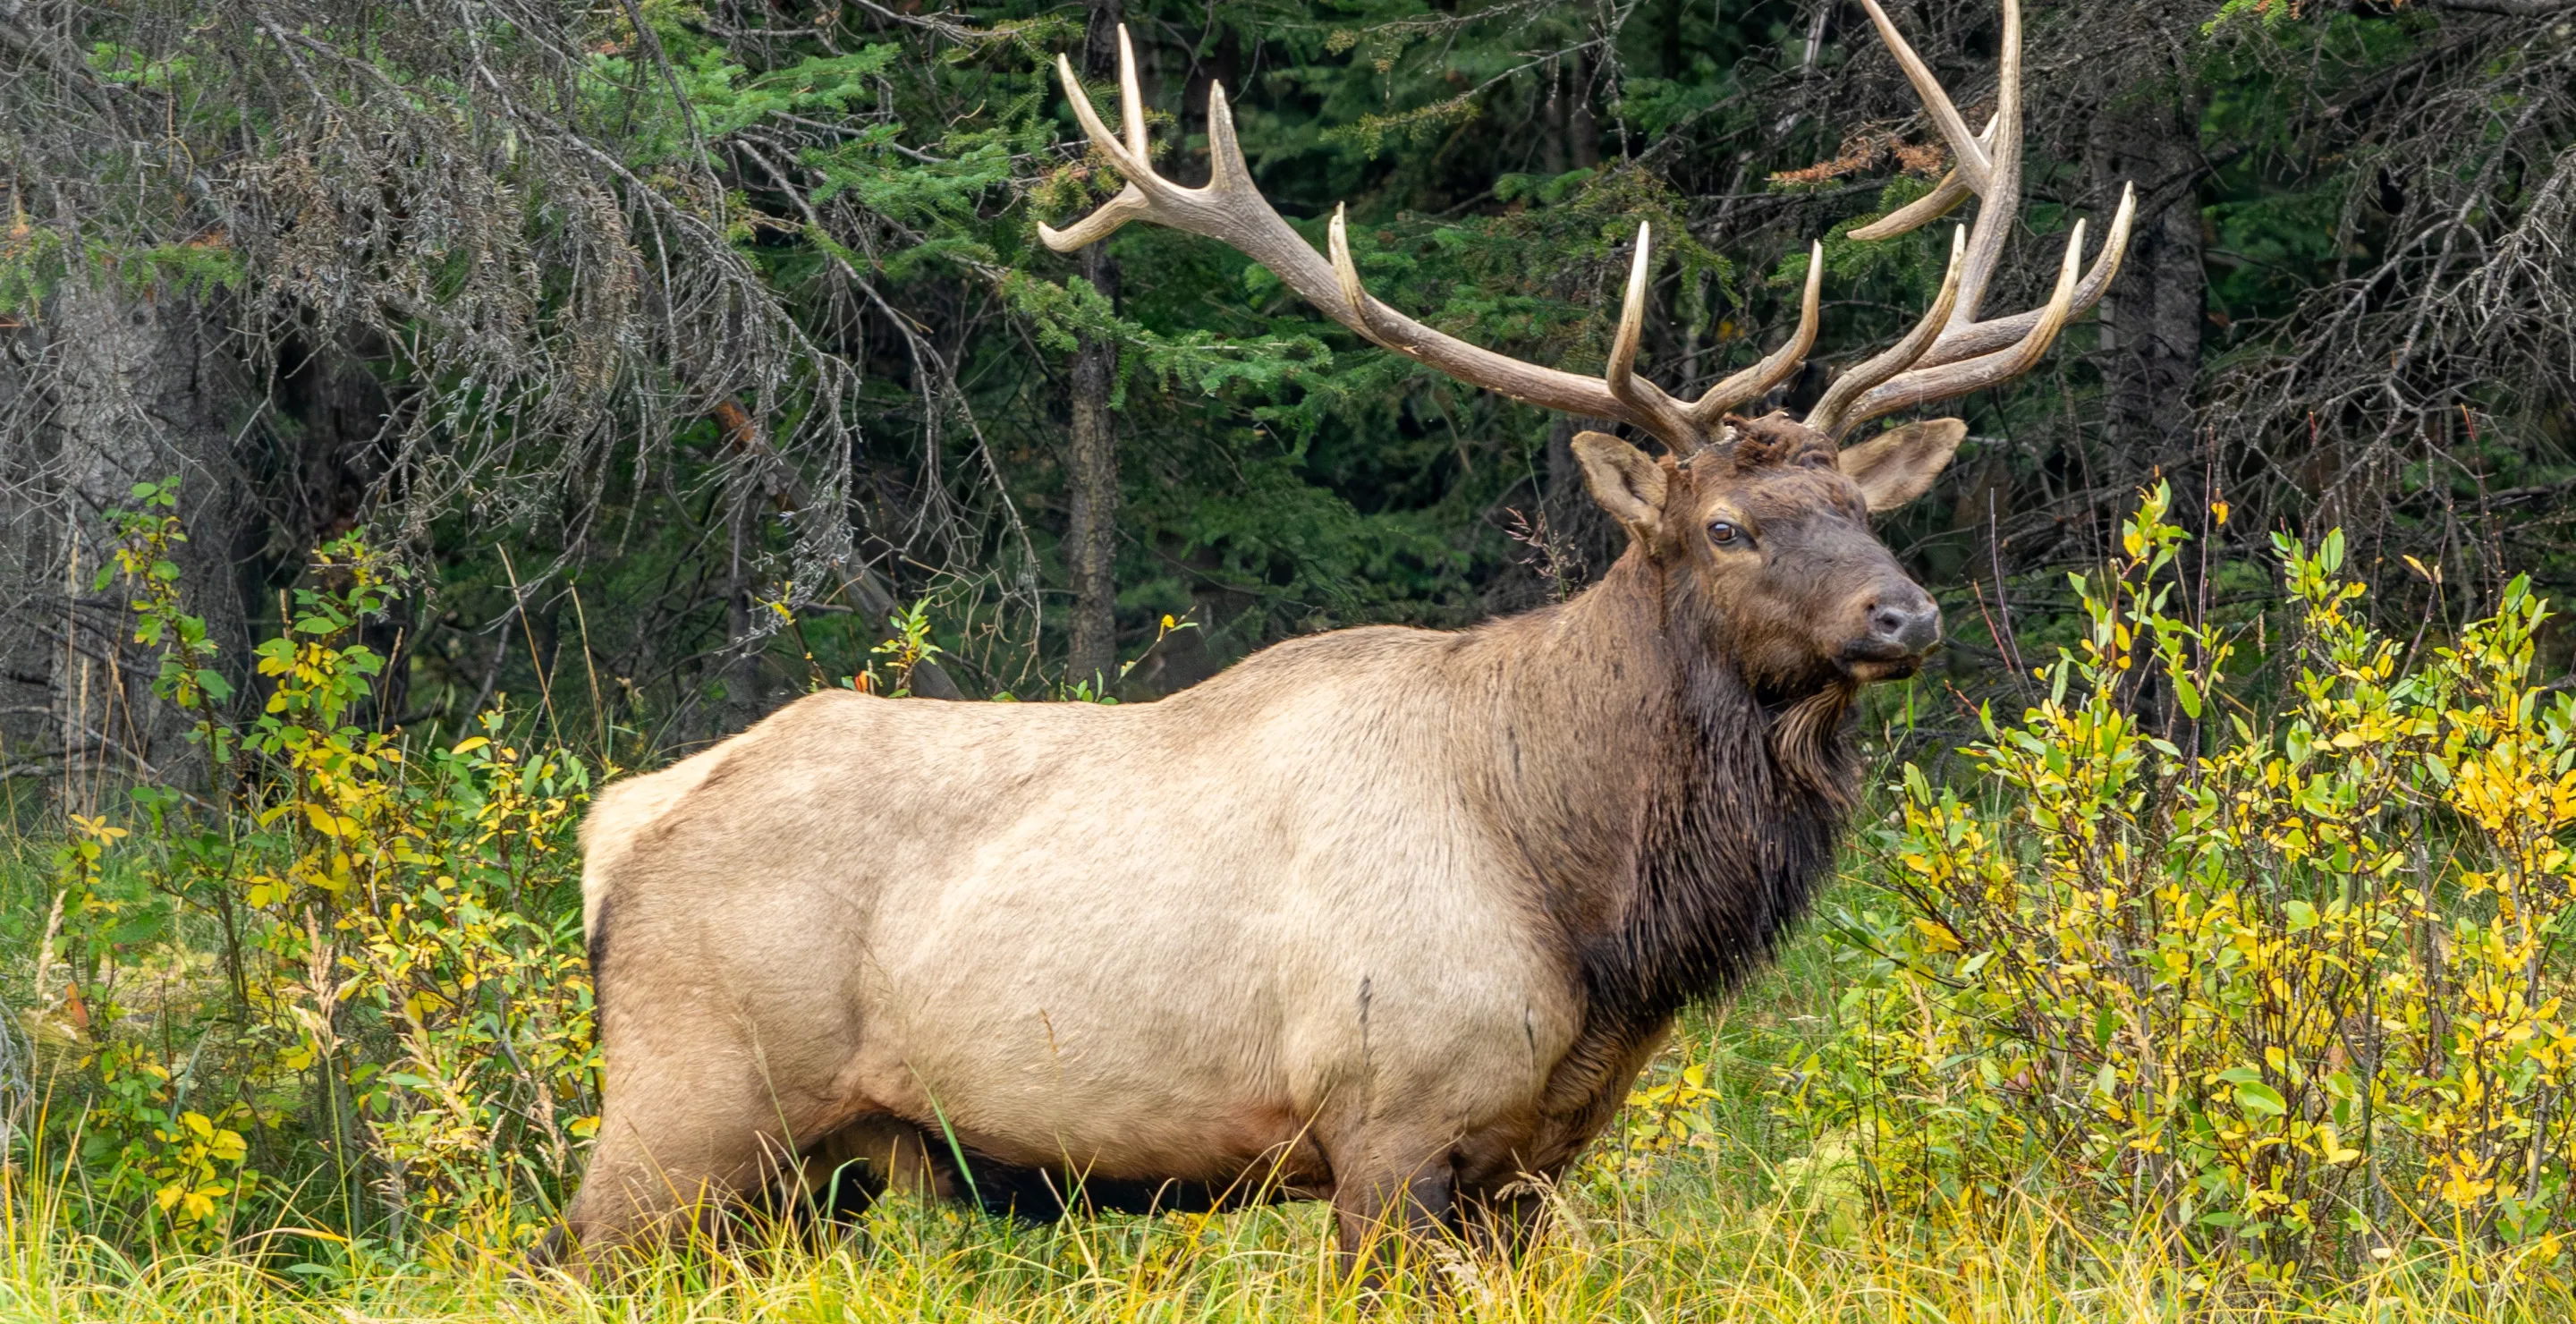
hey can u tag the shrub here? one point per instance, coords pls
(400, 1025)
(2292, 988)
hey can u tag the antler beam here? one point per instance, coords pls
(1968, 354)
(1229, 209)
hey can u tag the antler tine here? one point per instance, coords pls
(1131, 98)
(1974, 166)
(1923, 385)
(1226, 170)
(1989, 164)
(1645, 404)
(1944, 198)
(1711, 408)
(1129, 205)
(1132, 202)
(1346, 274)
(1969, 354)
(1999, 198)
(1620, 374)
(1828, 415)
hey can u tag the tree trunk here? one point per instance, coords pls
(111, 388)
(1091, 461)
(2152, 316)
(743, 704)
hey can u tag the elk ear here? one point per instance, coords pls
(1896, 467)
(1626, 483)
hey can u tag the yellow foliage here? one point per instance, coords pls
(2297, 988)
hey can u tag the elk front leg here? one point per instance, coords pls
(1392, 1197)
(667, 1166)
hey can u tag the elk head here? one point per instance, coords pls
(1766, 521)
(1768, 537)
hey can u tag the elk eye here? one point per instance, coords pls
(1724, 534)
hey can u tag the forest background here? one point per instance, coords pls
(410, 413)
(701, 347)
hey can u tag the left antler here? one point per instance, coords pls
(1231, 210)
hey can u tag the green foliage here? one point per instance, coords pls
(36, 260)
(2295, 986)
(145, 541)
(409, 1015)
(905, 650)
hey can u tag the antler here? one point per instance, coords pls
(1231, 210)
(1966, 354)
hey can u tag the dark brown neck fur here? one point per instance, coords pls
(1675, 821)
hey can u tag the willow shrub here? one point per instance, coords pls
(2290, 987)
(341, 984)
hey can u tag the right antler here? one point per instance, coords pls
(1951, 353)
(1230, 210)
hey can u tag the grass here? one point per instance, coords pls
(1677, 1259)
(1707, 1224)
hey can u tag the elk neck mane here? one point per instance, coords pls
(1675, 816)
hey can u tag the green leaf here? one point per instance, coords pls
(2254, 1096)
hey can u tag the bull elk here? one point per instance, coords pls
(1390, 917)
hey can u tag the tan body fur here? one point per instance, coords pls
(1213, 938)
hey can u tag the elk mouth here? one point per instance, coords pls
(1867, 662)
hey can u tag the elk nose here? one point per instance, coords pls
(1907, 620)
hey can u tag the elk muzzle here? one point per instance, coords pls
(1899, 625)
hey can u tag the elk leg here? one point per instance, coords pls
(1380, 1207)
(669, 1159)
